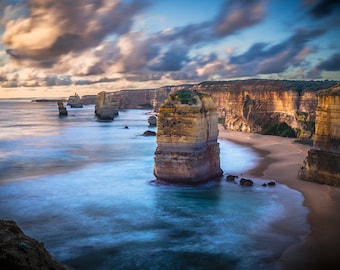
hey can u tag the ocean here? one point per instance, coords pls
(86, 190)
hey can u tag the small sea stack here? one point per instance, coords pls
(187, 148)
(62, 109)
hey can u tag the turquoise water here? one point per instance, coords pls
(85, 188)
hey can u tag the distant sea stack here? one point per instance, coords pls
(75, 101)
(62, 109)
(322, 164)
(187, 149)
(105, 108)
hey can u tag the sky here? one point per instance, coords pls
(58, 47)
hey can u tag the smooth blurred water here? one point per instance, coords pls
(85, 189)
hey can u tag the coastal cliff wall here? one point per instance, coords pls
(247, 105)
(187, 149)
(260, 105)
(322, 164)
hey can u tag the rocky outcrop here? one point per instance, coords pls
(18, 251)
(152, 120)
(75, 101)
(322, 164)
(187, 149)
(106, 109)
(62, 109)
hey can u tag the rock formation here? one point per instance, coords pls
(187, 149)
(322, 164)
(152, 120)
(18, 251)
(88, 99)
(263, 106)
(75, 101)
(62, 109)
(105, 108)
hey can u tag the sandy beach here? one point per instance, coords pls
(280, 160)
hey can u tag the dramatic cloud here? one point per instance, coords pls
(324, 8)
(331, 64)
(261, 58)
(80, 42)
(234, 16)
(237, 15)
(55, 28)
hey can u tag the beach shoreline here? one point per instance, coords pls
(280, 160)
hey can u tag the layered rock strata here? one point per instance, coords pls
(255, 105)
(106, 109)
(322, 164)
(187, 149)
(246, 105)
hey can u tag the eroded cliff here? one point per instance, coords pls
(278, 107)
(187, 149)
(322, 164)
(261, 105)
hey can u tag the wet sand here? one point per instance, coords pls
(281, 159)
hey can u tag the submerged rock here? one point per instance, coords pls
(231, 178)
(187, 149)
(149, 133)
(152, 120)
(18, 251)
(246, 182)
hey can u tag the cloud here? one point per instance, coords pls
(236, 15)
(56, 28)
(172, 60)
(324, 8)
(331, 64)
(263, 58)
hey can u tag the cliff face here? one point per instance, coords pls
(246, 105)
(256, 105)
(140, 99)
(187, 149)
(322, 163)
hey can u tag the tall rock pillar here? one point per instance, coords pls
(322, 164)
(187, 148)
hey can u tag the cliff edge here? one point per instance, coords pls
(18, 251)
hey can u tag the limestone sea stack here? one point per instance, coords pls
(62, 109)
(322, 164)
(105, 109)
(187, 148)
(75, 101)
